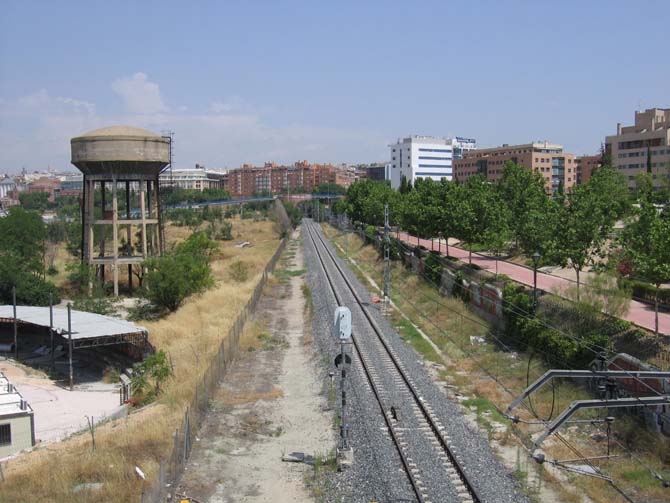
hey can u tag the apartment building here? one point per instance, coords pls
(377, 171)
(426, 157)
(643, 147)
(273, 179)
(45, 185)
(586, 165)
(556, 167)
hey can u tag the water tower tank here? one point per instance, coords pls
(121, 167)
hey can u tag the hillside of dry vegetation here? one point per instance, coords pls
(190, 336)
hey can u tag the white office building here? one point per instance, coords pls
(426, 157)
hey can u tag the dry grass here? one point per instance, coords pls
(450, 325)
(239, 397)
(191, 337)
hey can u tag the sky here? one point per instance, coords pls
(250, 82)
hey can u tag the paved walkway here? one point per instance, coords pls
(639, 313)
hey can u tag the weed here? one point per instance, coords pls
(410, 334)
(309, 301)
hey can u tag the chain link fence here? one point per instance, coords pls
(163, 487)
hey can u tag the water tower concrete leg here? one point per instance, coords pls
(115, 238)
(129, 237)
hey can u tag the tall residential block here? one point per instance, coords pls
(556, 167)
(426, 157)
(586, 165)
(644, 147)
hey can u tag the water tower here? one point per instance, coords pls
(121, 214)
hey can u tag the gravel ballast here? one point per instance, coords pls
(377, 473)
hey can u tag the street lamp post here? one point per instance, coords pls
(536, 259)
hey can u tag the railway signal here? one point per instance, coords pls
(342, 330)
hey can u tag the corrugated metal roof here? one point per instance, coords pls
(84, 325)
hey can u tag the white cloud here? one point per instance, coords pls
(139, 95)
(228, 133)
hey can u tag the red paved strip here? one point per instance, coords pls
(639, 313)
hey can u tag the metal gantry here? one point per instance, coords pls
(577, 405)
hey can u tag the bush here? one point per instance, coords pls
(154, 370)
(143, 311)
(239, 271)
(98, 305)
(182, 272)
(433, 267)
(578, 327)
(647, 292)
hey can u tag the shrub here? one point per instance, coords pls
(647, 292)
(181, 272)
(98, 305)
(433, 267)
(153, 370)
(239, 271)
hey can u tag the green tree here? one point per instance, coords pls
(36, 201)
(587, 218)
(329, 188)
(531, 212)
(366, 200)
(644, 187)
(476, 212)
(405, 186)
(182, 272)
(154, 369)
(647, 243)
(22, 234)
(421, 210)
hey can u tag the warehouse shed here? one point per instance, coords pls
(46, 334)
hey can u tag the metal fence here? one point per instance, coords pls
(170, 469)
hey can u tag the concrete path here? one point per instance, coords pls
(639, 313)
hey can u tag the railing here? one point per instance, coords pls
(171, 468)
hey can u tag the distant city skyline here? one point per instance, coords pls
(330, 83)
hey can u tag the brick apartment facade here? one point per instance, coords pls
(586, 165)
(546, 158)
(271, 178)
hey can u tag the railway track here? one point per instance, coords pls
(434, 470)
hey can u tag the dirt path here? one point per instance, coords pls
(268, 406)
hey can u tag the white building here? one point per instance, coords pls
(197, 178)
(17, 424)
(426, 157)
(6, 186)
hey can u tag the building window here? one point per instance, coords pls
(5, 434)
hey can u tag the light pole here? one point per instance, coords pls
(536, 259)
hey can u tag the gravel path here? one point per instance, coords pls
(269, 404)
(492, 481)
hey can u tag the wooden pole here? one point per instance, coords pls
(69, 338)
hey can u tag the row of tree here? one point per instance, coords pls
(514, 214)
